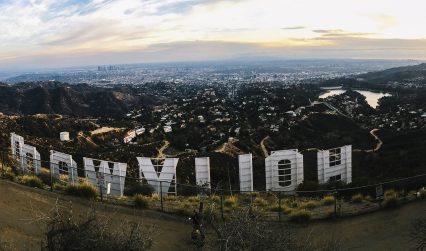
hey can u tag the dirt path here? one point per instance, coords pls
(379, 141)
(383, 230)
(378, 145)
(19, 205)
(229, 148)
(105, 130)
(263, 147)
(160, 154)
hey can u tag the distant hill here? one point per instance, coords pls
(399, 77)
(416, 73)
(59, 98)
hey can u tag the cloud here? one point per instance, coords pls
(294, 28)
(338, 33)
(43, 28)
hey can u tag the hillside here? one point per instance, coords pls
(384, 230)
(21, 205)
(59, 98)
(416, 73)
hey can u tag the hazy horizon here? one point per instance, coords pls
(64, 33)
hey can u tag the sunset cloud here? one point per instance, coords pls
(33, 29)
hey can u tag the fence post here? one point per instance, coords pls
(279, 206)
(161, 196)
(221, 205)
(101, 190)
(335, 203)
(2, 162)
(51, 177)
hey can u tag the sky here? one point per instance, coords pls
(59, 33)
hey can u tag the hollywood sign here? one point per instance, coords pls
(283, 169)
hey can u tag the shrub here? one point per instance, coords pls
(138, 188)
(276, 208)
(328, 200)
(141, 201)
(155, 197)
(59, 187)
(231, 202)
(171, 198)
(184, 208)
(309, 204)
(45, 177)
(215, 198)
(390, 199)
(9, 176)
(293, 204)
(357, 198)
(31, 180)
(422, 193)
(83, 190)
(301, 215)
(257, 212)
(253, 194)
(193, 199)
(67, 231)
(259, 201)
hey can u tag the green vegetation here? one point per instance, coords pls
(141, 201)
(309, 204)
(83, 190)
(31, 180)
(300, 215)
(231, 202)
(328, 200)
(8, 175)
(65, 231)
(357, 198)
(261, 202)
(390, 198)
(422, 193)
(137, 188)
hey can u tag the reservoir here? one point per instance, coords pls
(371, 97)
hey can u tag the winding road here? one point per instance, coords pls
(263, 147)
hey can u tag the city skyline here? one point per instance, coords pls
(47, 33)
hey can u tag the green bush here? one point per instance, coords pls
(141, 201)
(309, 204)
(390, 199)
(193, 199)
(231, 202)
(261, 202)
(215, 198)
(276, 208)
(138, 188)
(357, 198)
(31, 180)
(328, 200)
(83, 190)
(171, 198)
(301, 215)
(9, 176)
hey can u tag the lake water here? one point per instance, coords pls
(371, 97)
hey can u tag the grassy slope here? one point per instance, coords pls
(19, 205)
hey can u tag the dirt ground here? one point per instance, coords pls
(19, 205)
(382, 230)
